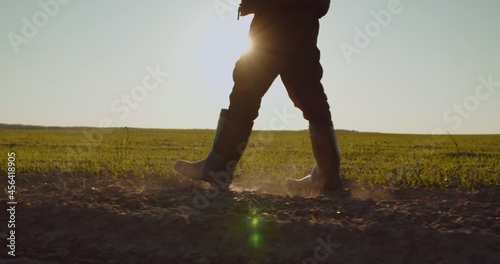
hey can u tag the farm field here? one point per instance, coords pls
(112, 196)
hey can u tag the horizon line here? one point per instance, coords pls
(59, 127)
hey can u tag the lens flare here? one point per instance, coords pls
(254, 222)
(255, 238)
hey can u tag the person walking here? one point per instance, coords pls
(284, 37)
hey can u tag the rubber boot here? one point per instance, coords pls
(228, 145)
(325, 176)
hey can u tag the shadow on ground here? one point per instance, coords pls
(108, 220)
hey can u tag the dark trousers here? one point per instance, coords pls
(283, 43)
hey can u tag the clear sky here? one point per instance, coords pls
(389, 66)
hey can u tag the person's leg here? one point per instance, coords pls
(253, 74)
(274, 35)
(302, 78)
(228, 145)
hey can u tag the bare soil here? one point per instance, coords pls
(89, 219)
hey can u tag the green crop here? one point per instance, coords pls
(458, 161)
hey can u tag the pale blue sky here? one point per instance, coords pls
(434, 66)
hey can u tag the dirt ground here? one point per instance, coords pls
(107, 220)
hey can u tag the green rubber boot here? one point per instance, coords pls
(228, 145)
(325, 176)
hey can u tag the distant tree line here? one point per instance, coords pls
(32, 127)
